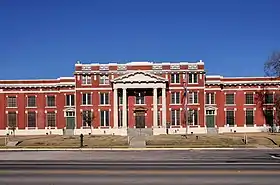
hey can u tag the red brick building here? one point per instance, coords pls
(112, 98)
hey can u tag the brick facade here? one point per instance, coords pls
(92, 100)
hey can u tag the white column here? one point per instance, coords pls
(116, 107)
(124, 108)
(155, 108)
(163, 113)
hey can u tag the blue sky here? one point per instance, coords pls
(44, 39)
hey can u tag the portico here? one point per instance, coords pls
(136, 81)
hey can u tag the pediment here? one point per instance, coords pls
(139, 76)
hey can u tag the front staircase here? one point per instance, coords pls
(212, 131)
(137, 136)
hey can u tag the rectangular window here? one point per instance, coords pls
(12, 120)
(12, 101)
(268, 98)
(192, 78)
(229, 99)
(31, 119)
(86, 99)
(249, 98)
(51, 119)
(70, 100)
(192, 117)
(210, 98)
(175, 117)
(249, 117)
(50, 101)
(175, 78)
(120, 118)
(86, 80)
(175, 98)
(230, 117)
(104, 99)
(139, 98)
(87, 118)
(104, 118)
(193, 98)
(31, 101)
(104, 79)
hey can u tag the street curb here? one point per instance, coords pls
(129, 149)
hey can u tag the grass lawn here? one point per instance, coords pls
(255, 140)
(69, 141)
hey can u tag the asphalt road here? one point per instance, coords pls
(256, 167)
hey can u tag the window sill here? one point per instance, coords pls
(193, 103)
(104, 84)
(31, 107)
(11, 107)
(140, 104)
(175, 104)
(69, 105)
(86, 105)
(230, 104)
(50, 107)
(249, 104)
(104, 105)
(210, 104)
(86, 84)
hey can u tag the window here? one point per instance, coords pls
(175, 117)
(31, 119)
(104, 98)
(175, 98)
(268, 98)
(12, 120)
(269, 117)
(175, 78)
(140, 98)
(249, 98)
(120, 119)
(86, 80)
(192, 78)
(86, 99)
(229, 99)
(193, 98)
(104, 118)
(70, 100)
(12, 101)
(50, 101)
(249, 114)
(230, 117)
(31, 101)
(192, 117)
(210, 98)
(51, 119)
(104, 79)
(87, 118)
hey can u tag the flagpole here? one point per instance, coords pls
(186, 103)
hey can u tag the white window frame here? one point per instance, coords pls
(27, 101)
(141, 95)
(103, 95)
(8, 120)
(55, 121)
(86, 80)
(68, 96)
(175, 117)
(176, 77)
(48, 96)
(210, 99)
(104, 118)
(104, 80)
(192, 95)
(192, 77)
(177, 96)
(27, 121)
(16, 101)
(193, 117)
(87, 99)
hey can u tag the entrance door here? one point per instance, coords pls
(70, 120)
(210, 118)
(140, 119)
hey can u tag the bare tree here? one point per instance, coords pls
(272, 70)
